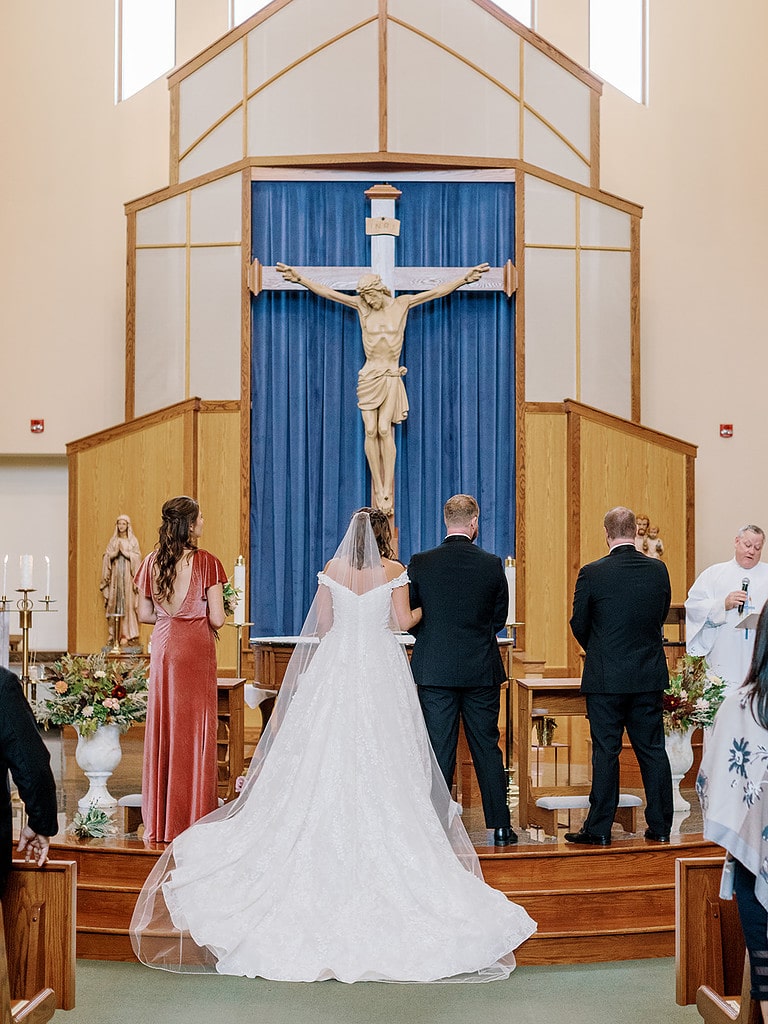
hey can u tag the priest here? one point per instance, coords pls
(720, 599)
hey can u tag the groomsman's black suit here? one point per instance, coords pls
(24, 753)
(456, 662)
(619, 607)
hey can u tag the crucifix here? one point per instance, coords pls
(381, 395)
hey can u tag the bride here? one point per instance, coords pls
(344, 856)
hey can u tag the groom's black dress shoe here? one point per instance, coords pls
(504, 836)
(589, 838)
(656, 837)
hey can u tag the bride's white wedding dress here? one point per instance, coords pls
(337, 861)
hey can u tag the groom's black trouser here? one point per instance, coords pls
(478, 708)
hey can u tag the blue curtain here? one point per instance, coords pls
(308, 469)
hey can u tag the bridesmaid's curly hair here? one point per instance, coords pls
(175, 536)
(381, 531)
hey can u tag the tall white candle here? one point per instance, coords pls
(239, 583)
(47, 576)
(5, 576)
(25, 566)
(509, 572)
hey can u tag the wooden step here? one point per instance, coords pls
(591, 904)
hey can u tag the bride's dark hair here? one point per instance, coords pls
(175, 536)
(381, 531)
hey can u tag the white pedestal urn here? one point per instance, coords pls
(680, 754)
(98, 754)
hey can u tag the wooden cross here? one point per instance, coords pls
(383, 228)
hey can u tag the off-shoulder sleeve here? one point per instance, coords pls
(143, 578)
(400, 581)
(211, 570)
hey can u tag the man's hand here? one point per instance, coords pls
(33, 846)
(735, 598)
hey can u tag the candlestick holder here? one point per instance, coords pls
(512, 628)
(239, 655)
(25, 607)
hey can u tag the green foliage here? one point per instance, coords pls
(96, 824)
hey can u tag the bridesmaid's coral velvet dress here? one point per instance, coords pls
(179, 778)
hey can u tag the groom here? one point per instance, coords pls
(462, 591)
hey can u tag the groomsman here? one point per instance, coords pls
(619, 607)
(462, 591)
(23, 753)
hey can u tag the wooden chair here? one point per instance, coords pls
(38, 956)
(712, 964)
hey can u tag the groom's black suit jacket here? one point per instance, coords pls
(619, 607)
(463, 591)
(24, 753)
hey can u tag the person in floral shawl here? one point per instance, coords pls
(733, 790)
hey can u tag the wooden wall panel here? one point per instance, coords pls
(133, 474)
(617, 469)
(218, 492)
(191, 448)
(546, 602)
(575, 463)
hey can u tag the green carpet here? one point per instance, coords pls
(628, 992)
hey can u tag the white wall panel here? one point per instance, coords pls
(292, 114)
(545, 149)
(208, 93)
(558, 96)
(470, 31)
(160, 328)
(216, 214)
(223, 146)
(451, 110)
(550, 213)
(604, 225)
(298, 28)
(550, 319)
(605, 338)
(214, 323)
(164, 223)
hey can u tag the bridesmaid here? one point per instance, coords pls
(181, 592)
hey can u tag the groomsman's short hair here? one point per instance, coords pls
(459, 509)
(620, 523)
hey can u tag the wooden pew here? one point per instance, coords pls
(39, 935)
(34, 1011)
(711, 963)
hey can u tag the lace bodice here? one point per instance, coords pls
(369, 611)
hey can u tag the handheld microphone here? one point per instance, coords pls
(744, 587)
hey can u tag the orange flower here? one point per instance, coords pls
(60, 686)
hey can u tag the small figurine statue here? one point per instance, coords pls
(119, 566)
(641, 537)
(655, 543)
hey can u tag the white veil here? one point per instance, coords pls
(357, 566)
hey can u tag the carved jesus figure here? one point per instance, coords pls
(381, 395)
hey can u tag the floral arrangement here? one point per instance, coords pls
(94, 824)
(693, 696)
(232, 595)
(92, 691)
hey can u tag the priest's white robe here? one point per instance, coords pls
(712, 631)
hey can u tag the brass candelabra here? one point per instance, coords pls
(25, 607)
